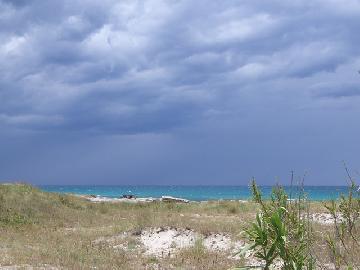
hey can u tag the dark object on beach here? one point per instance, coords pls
(92, 196)
(129, 196)
(173, 199)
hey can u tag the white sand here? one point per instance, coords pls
(161, 242)
(115, 200)
(166, 241)
(324, 218)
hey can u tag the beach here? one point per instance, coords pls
(59, 231)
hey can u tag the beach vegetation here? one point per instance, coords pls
(281, 232)
(63, 231)
(344, 240)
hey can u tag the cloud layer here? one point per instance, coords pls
(109, 68)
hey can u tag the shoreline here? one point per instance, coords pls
(167, 198)
(164, 198)
(197, 193)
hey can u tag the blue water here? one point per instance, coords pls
(195, 193)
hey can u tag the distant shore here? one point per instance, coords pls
(194, 193)
(164, 198)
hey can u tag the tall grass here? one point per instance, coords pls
(344, 241)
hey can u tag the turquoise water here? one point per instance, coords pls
(195, 193)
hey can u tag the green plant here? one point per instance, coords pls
(344, 242)
(281, 231)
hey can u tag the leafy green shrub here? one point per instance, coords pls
(281, 231)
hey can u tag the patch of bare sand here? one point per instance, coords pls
(167, 241)
(325, 218)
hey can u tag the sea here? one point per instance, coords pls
(196, 193)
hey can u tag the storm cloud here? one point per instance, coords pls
(240, 88)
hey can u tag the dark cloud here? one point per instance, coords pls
(117, 68)
(17, 3)
(337, 90)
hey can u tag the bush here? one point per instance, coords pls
(281, 232)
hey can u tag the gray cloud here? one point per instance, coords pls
(144, 67)
(337, 90)
(70, 54)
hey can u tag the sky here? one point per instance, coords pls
(179, 92)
